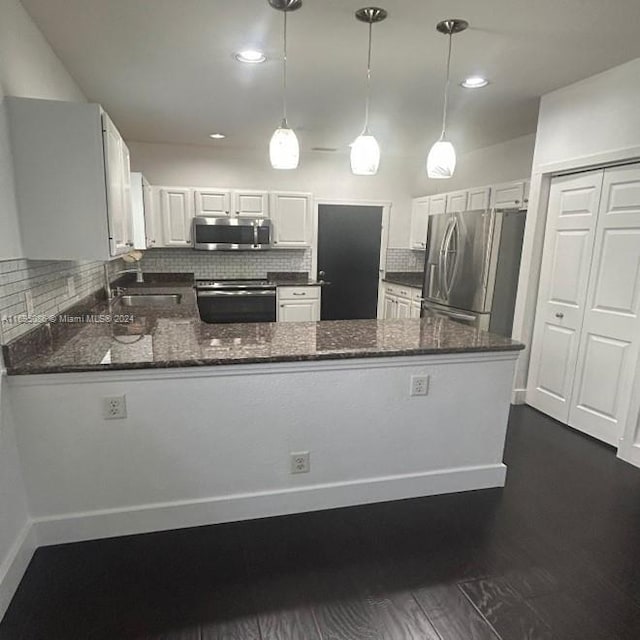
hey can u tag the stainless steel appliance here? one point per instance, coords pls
(226, 301)
(472, 266)
(231, 234)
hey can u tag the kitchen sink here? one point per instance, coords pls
(150, 299)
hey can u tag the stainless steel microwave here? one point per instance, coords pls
(231, 234)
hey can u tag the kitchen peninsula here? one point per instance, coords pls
(214, 416)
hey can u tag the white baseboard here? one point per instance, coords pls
(519, 396)
(176, 515)
(15, 564)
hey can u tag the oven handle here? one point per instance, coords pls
(229, 294)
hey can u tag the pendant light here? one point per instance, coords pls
(441, 162)
(365, 150)
(284, 149)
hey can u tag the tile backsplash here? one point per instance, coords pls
(226, 264)
(405, 260)
(53, 286)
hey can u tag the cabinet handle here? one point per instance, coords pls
(299, 294)
(560, 315)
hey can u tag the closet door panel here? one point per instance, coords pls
(570, 232)
(611, 328)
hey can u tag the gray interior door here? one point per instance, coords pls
(349, 258)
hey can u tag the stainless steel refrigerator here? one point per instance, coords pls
(472, 266)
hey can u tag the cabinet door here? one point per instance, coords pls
(415, 310)
(299, 311)
(610, 335)
(479, 198)
(176, 210)
(128, 198)
(403, 307)
(419, 220)
(437, 204)
(153, 218)
(115, 177)
(292, 216)
(456, 202)
(390, 307)
(567, 256)
(510, 194)
(212, 202)
(251, 204)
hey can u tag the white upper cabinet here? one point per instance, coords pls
(292, 216)
(437, 204)
(250, 204)
(72, 180)
(212, 202)
(118, 178)
(176, 215)
(479, 198)
(456, 202)
(419, 221)
(509, 194)
(244, 203)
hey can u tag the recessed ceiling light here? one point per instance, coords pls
(250, 56)
(217, 136)
(475, 82)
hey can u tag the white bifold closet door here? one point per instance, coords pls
(585, 346)
(568, 249)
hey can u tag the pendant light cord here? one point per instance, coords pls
(446, 90)
(368, 100)
(285, 125)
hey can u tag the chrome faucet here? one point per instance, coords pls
(118, 290)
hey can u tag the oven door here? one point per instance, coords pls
(237, 306)
(231, 234)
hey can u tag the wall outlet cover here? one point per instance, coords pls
(419, 386)
(114, 408)
(300, 462)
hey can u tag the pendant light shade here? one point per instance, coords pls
(284, 148)
(441, 161)
(365, 155)
(365, 150)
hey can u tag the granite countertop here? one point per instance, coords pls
(99, 336)
(292, 279)
(406, 278)
(158, 340)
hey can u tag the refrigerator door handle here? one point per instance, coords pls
(442, 276)
(446, 278)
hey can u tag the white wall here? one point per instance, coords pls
(503, 162)
(14, 513)
(589, 123)
(326, 175)
(28, 68)
(189, 454)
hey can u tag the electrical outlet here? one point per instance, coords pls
(71, 287)
(300, 462)
(419, 386)
(114, 408)
(28, 302)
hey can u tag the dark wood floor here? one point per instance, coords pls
(554, 555)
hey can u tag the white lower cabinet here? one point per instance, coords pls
(298, 304)
(400, 302)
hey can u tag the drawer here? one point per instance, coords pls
(416, 294)
(298, 293)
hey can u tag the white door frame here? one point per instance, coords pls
(384, 236)
(529, 280)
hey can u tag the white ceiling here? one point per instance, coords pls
(164, 69)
